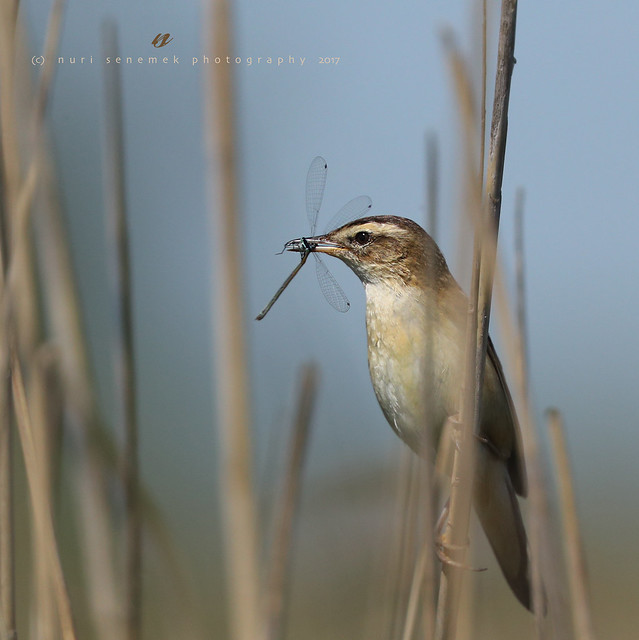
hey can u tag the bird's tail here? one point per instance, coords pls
(498, 510)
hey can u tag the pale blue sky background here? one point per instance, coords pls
(573, 140)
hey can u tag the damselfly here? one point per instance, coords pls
(356, 208)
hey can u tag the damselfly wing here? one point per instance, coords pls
(355, 208)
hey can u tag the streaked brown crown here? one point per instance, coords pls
(379, 248)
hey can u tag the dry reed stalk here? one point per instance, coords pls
(125, 363)
(7, 568)
(450, 586)
(45, 402)
(416, 585)
(409, 566)
(277, 574)
(18, 276)
(406, 540)
(482, 103)
(573, 544)
(65, 316)
(59, 292)
(39, 500)
(520, 279)
(22, 274)
(96, 450)
(237, 498)
(389, 571)
(18, 298)
(432, 184)
(544, 554)
(412, 608)
(484, 255)
(10, 182)
(421, 596)
(539, 520)
(9, 132)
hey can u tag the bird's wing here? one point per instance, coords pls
(516, 463)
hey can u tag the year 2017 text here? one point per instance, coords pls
(323, 60)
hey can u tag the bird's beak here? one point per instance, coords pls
(318, 243)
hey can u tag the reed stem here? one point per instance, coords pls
(484, 256)
(125, 362)
(278, 568)
(239, 519)
(573, 543)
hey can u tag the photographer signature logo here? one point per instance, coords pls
(161, 40)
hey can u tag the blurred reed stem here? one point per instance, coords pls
(239, 521)
(484, 256)
(59, 289)
(10, 180)
(277, 574)
(415, 523)
(573, 543)
(457, 511)
(539, 520)
(414, 598)
(98, 457)
(60, 299)
(420, 606)
(390, 574)
(18, 276)
(40, 503)
(482, 103)
(520, 279)
(115, 188)
(432, 183)
(550, 620)
(45, 400)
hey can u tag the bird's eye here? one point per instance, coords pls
(362, 237)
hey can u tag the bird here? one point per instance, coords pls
(415, 323)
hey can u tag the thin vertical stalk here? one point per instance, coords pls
(41, 506)
(239, 519)
(520, 278)
(392, 581)
(7, 568)
(477, 327)
(573, 544)
(10, 182)
(432, 183)
(46, 410)
(544, 555)
(423, 579)
(415, 502)
(59, 291)
(278, 568)
(463, 460)
(420, 604)
(418, 544)
(456, 531)
(537, 491)
(63, 307)
(482, 104)
(16, 258)
(125, 363)
(22, 277)
(406, 540)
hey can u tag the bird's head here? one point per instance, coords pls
(382, 249)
